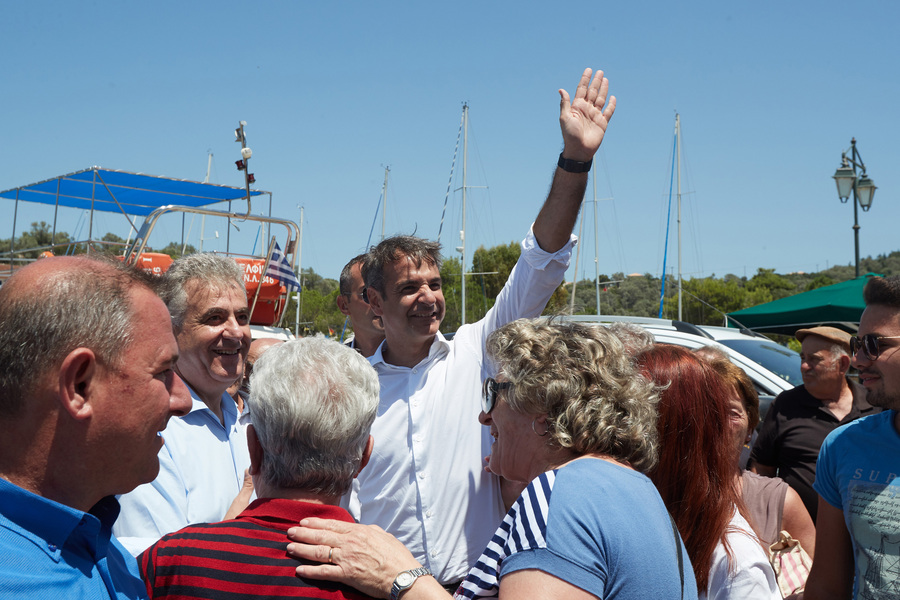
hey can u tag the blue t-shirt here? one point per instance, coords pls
(596, 525)
(857, 473)
(48, 550)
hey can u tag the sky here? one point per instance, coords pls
(769, 94)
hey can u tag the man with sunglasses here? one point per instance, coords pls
(858, 529)
(800, 419)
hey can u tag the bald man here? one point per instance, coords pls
(86, 385)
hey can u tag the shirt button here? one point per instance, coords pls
(52, 547)
(434, 554)
(429, 514)
(415, 370)
(421, 475)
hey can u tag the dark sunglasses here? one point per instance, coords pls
(489, 393)
(869, 344)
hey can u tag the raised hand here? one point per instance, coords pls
(583, 121)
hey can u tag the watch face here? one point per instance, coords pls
(404, 579)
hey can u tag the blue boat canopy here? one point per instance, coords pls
(109, 190)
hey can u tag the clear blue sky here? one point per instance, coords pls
(769, 94)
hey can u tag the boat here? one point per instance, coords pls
(134, 195)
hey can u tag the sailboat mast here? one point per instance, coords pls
(678, 171)
(462, 234)
(299, 274)
(384, 200)
(596, 244)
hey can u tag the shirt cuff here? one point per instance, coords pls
(540, 259)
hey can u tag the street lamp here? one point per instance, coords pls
(862, 187)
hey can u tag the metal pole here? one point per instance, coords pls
(596, 245)
(462, 269)
(384, 200)
(299, 274)
(678, 160)
(855, 206)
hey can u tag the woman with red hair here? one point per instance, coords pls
(695, 477)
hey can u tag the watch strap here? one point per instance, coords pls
(573, 166)
(397, 588)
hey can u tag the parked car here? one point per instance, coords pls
(772, 368)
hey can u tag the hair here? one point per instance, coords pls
(312, 403)
(586, 383)
(394, 248)
(736, 378)
(346, 272)
(695, 472)
(883, 290)
(633, 336)
(86, 305)
(205, 268)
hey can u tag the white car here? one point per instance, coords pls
(772, 367)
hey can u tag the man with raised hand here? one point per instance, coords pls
(86, 385)
(425, 482)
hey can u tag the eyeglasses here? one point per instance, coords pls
(869, 344)
(489, 393)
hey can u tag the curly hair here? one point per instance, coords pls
(583, 379)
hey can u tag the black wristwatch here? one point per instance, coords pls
(573, 166)
(405, 579)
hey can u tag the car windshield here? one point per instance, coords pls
(782, 361)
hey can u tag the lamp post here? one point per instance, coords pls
(862, 187)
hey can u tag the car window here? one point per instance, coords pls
(782, 361)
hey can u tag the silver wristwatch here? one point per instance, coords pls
(405, 579)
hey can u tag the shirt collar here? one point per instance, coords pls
(439, 347)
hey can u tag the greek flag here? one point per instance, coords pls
(280, 269)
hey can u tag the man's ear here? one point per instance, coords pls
(256, 450)
(366, 455)
(78, 381)
(375, 301)
(845, 363)
(342, 304)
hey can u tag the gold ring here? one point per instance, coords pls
(330, 552)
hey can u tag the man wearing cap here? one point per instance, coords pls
(799, 420)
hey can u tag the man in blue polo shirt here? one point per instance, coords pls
(86, 385)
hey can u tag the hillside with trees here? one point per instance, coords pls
(705, 300)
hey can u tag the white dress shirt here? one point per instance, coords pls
(426, 482)
(201, 471)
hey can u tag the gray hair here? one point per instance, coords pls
(212, 270)
(392, 249)
(86, 305)
(581, 376)
(312, 402)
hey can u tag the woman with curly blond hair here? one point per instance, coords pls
(574, 420)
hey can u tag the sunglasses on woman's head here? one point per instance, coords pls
(489, 393)
(869, 344)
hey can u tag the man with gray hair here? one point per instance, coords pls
(86, 385)
(205, 454)
(312, 405)
(799, 419)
